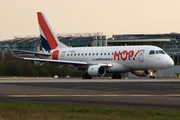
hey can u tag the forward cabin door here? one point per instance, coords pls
(141, 55)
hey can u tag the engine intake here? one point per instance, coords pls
(96, 70)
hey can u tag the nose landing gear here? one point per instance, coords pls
(151, 75)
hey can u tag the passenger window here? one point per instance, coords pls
(108, 53)
(101, 53)
(112, 53)
(86, 54)
(104, 53)
(68, 54)
(96, 53)
(151, 52)
(89, 54)
(75, 54)
(71, 54)
(82, 54)
(93, 54)
(78, 54)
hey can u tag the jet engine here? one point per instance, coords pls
(96, 70)
(141, 73)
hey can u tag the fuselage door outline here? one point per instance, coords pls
(141, 55)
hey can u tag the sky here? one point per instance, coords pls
(19, 17)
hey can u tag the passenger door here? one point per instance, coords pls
(141, 55)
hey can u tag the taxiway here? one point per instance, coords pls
(163, 94)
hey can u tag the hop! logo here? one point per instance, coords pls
(124, 55)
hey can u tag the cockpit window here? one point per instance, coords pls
(151, 52)
(160, 52)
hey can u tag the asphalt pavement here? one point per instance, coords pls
(159, 94)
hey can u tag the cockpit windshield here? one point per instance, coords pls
(156, 52)
(160, 52)
(151, 52)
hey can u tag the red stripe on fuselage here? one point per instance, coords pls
(49, 36)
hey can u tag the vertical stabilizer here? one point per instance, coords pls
(48, 38)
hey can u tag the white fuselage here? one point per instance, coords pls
(122, 58)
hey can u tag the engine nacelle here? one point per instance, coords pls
(141, 73)
(96, 70)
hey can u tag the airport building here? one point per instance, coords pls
(169, 42)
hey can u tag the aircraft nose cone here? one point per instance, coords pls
(169, 62)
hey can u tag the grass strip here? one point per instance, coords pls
(28, 111)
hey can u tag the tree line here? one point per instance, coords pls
(17, 67)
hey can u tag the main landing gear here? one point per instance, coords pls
(116, 76)
(86, 76)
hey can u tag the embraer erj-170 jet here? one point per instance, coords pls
(97, 61)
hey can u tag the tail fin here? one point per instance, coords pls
(48, 38)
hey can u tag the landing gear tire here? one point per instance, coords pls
(119, 76)
(86, 76)
(151, 77)
(116, 76)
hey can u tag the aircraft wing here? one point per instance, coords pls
(31, 52)
(65, 62)
(48, 60)
(55, 61)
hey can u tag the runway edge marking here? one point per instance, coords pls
(133, 95)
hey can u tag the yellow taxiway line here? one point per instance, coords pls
(131, 95)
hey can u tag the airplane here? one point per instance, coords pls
(97, 61)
